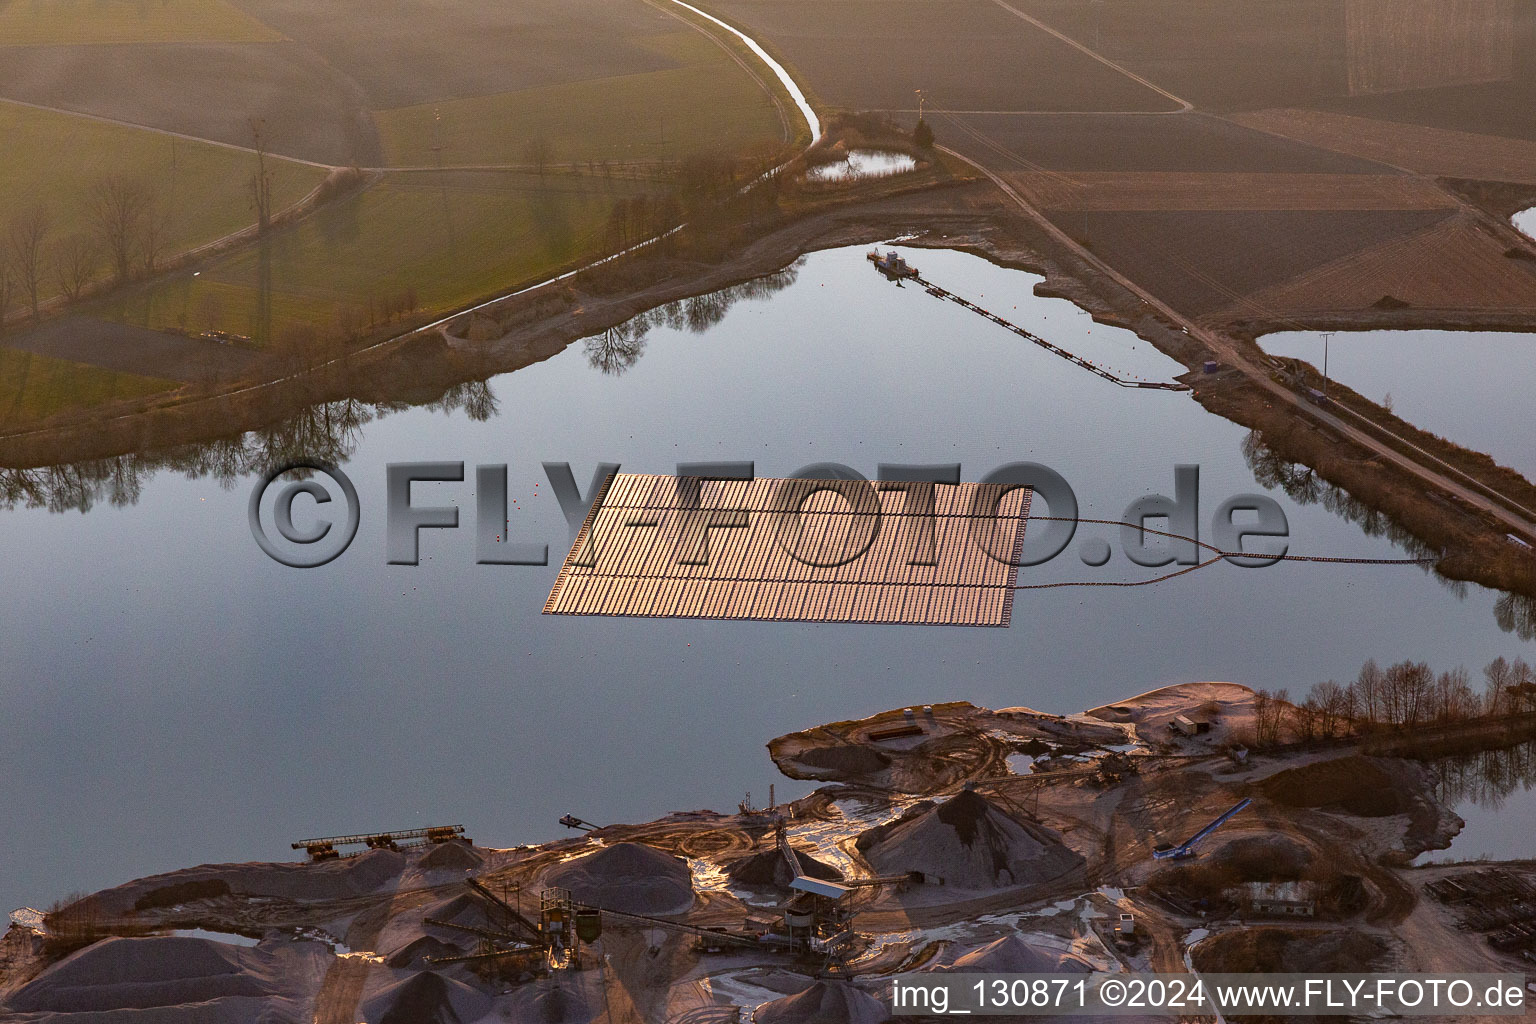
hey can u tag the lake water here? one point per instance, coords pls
(1494, 792)
(861, 164)
(173, 697)
(1526, 221)
(1472, 387)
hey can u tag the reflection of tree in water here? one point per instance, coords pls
(619, 348)
(1303, 486)
(616, 349)
(1486, 777)
(1516, 614)
(329, 432)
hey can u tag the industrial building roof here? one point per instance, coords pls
(831, 890)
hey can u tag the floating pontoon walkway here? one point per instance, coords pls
(897, 269)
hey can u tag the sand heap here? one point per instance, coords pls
(767, 870)
(1013, 954)
(172, 979)
(826, 1002)
(426, 998)
(970, 843)
(455, 855)
(628, 877)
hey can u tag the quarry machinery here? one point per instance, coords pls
(408, 839)
(1170, 852)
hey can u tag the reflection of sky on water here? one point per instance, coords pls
(173, 697)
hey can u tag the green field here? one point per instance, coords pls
(203, 190)
(34, 386)
(72, 22)
(447, 241)
(705, 103)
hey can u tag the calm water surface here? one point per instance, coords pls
(1494, 792)
(863, 163)
(1472, 387)
(171, 696)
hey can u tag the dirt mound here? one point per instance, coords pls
(415, 954)
(826, 1002)
(455, 854)
(338, 879)
(849, 760)
(427, 998)
(628, 877)
(970, 843)
(767, 870)
(1368, 787)
(163, 973)
(1271, 950)
(1013, 954)
(1264, 859)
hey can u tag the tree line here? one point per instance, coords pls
(1403, 696)
(126, 227)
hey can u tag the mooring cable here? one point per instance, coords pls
(1219, 556)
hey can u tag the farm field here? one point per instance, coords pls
(1438, 151)
(55, 160)
(1451, 266)
(1151, 142)
(34, 386)
(703, 103)
(1202, 261)
(1218, 55)
(87, 22)
(444, 240)
(310, 110)
(409, 52)
(965, 54)
(1162, 190)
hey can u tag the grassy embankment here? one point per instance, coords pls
(33, 387)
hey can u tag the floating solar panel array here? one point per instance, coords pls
(796, 550)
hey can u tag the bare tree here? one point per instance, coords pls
(5, 290)
(1328, 700)
(74, 265)
(261, 182)
(26, 234)
(1497, 698)
(539, 152)
(118, 209)
(157, 225)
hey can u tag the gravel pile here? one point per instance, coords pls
(628, 877)
(826, 1002)
(170, 980)
(970, 843)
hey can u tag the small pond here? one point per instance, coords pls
(863, 164)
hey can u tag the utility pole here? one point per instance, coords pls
(1326, 335)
